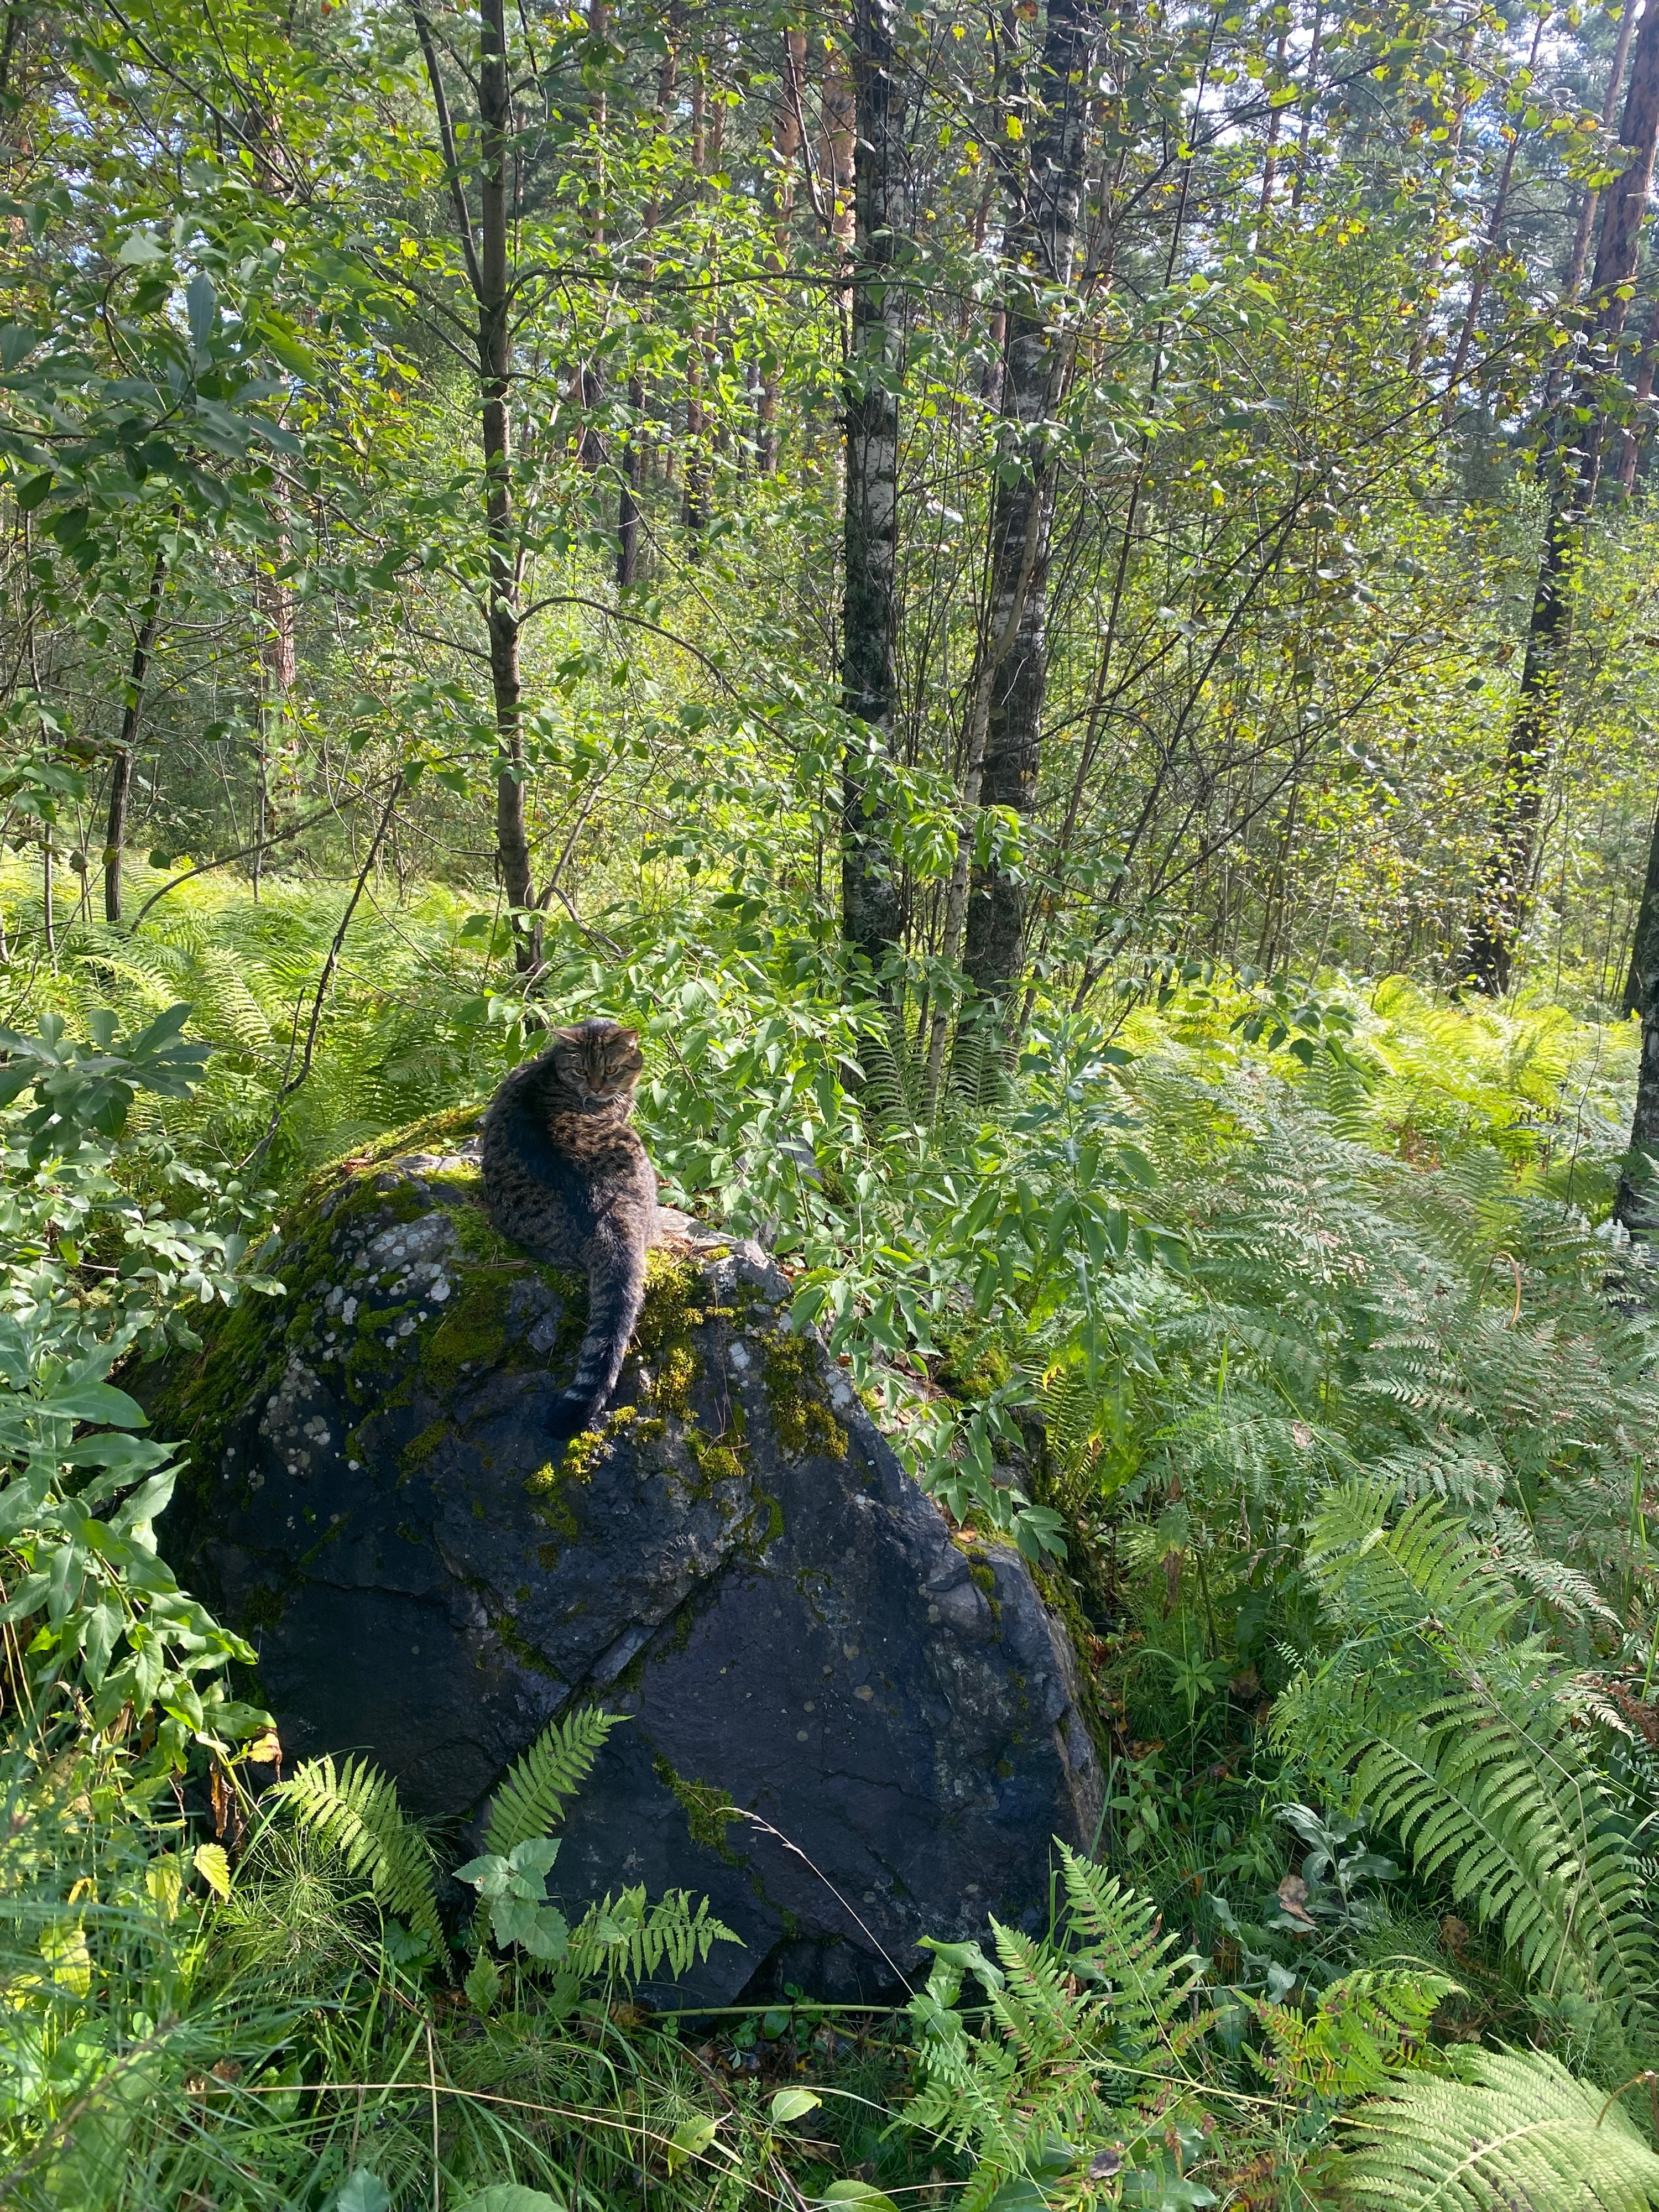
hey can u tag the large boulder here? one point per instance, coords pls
(736, 1561)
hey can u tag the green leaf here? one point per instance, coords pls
(794, 2104)
(864, 2194)
(213, 1867)
(363, 2192)
(98, 1637)
(97, 1401)
(202, 307)
(125, 1456)
(483, 1984)
(135, 252)
(535, 1857)
(488, 1875)
(510, 2196)
(691, 2140)
(966, 1959)
(297, 359)
(1022, 2194)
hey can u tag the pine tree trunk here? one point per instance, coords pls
(1039, 249)
(590, 380)
(693, 503)
(1576, 471)
(132, 707)
(1638, 429)
(870, 915)
(1587, 200)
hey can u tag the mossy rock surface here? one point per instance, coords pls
(736, 1561)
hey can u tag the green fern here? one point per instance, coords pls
(530, 1801)
(1458, 1737)
(1071, 2023)
(353, 1808)
(1501, 2131)
(623, 1938)
(1115, 1943)
(1363, 2029)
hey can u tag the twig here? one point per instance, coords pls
(555, 890)
(327, 976)
(452, 160)
(206, 866)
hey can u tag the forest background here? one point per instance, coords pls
(1060, 602)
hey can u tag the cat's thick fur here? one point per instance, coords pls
(565, 1177)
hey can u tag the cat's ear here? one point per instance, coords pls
(629, 1037)
(569, 1036)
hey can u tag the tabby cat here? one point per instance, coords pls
(565, 1177)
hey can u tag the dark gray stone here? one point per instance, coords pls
(740, 1566)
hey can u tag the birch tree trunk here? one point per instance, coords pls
(1575, 472)
(1039, 250)
(870, 915)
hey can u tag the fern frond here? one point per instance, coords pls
(1364, 2026)
(624, 1938)
(1488, 1788)
(1043, 2021)
(1504, 2131)
(530, 1801)
(1123, 1948)
(354, 1809)
(1423, 1568)
(1459, 1740)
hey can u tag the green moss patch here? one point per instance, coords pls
(416, 1453)
(663, 1341)
(433, 1133)
(709, 1811)
(584, 1452)
(472, 1332)
(795, 1391)
(716, 1458)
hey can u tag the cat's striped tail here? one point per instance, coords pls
(616, 1291)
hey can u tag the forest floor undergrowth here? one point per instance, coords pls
(1284, 1331)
